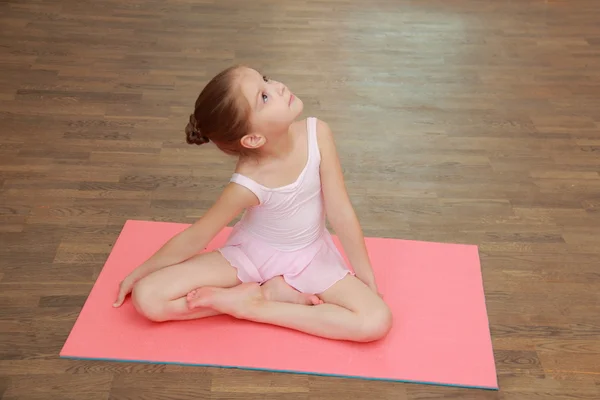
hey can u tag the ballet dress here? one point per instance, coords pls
(286, 234)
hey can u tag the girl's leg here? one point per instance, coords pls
(275, 289)
(162, 295)
(351, 310)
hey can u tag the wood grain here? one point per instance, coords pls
(467, 121)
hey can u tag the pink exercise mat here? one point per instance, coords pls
(440, 335)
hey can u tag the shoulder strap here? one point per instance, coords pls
(313, 144)
(250, 185)
(311, 125)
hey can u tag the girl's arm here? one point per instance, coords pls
(195, 238)
(338, 207)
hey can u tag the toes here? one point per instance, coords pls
(199, 301)
(192, 295)
(200, 297)
(312, 300)
(315, 300)
(195, 304)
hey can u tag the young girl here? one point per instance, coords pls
(279, 265)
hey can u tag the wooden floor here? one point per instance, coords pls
(475, 122)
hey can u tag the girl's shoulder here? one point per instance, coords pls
(322, 129)
(323, 134)
(321, 126)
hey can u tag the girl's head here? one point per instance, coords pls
(240, 111)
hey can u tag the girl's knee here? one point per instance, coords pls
(146, 302)
(376, 324)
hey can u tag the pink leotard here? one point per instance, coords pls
(286, 233)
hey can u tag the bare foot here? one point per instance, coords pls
(277, 289)
(194, 298)
(234, 301)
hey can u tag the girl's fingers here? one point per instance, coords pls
(119, 300)
(120, 296)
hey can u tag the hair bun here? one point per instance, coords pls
(193, 135)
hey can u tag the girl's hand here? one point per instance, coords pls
(125, 288)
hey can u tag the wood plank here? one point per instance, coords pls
(468, 121)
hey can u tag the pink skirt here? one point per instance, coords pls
(312, 269)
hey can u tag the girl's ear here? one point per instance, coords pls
(253, 141)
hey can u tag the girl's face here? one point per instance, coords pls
(274, 107)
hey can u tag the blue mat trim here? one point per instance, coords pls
(281, 371)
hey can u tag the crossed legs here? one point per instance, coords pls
(163, 295)
(206, 285)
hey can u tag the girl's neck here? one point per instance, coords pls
(279, 147)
